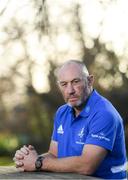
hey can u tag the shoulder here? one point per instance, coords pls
(62, 109)
(106, 114)
(99, 102)
(104, 106)
(103, 111)
(61, 113)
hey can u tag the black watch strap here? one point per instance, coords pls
(39, 162)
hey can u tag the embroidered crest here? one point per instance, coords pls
(80, 137)
(81, 133)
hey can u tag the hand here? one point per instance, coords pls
(29, 160)
(25, 158)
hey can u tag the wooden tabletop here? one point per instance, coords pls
(10, 172)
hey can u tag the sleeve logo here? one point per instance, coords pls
(100, 136)
(60, 130)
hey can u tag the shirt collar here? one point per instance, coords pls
(90, 104)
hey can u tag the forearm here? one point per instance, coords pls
(68, 164)
(48, 155)
(87, 163)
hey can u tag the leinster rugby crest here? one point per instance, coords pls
(80, 136)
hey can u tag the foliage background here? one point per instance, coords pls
(35, 37)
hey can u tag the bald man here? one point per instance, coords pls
(88, 135)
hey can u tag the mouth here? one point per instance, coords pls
(73, 99)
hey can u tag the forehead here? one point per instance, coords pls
(69, 72)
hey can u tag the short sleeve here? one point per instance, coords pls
(102, 130)
(54, 133)
(55, 127)
(57, 120)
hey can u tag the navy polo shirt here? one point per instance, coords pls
(98, 123)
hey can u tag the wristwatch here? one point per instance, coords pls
(39, 162)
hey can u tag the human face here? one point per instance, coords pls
(74, 87)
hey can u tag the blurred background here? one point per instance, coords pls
(38, 35)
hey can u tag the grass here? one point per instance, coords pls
(6, 161)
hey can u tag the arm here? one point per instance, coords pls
(25, 157)
(86, 164)
(52, 152)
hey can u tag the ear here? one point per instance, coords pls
(90, 79)
(58, 86)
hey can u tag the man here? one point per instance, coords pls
(88, 135)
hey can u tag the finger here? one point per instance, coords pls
(25, 150)
(17, 158)
(19, 155)
(14, 159)
(31, 147)
(19, 164)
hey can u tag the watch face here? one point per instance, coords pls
(38, 164)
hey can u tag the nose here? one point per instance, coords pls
(70, 88)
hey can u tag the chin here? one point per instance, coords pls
(77, 104)
(70, 104)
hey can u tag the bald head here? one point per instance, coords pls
(73, 63)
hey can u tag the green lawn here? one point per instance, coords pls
(6, 161)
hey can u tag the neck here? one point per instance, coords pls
(78, 109)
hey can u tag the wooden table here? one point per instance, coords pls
(10, 172)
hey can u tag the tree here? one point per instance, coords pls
(57, 35)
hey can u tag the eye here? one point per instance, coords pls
(76, 81)
(63, 84)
